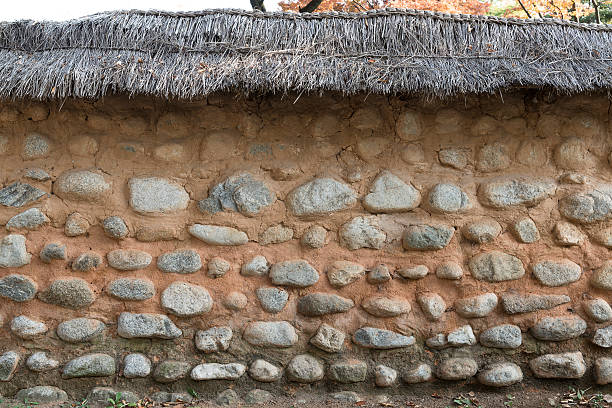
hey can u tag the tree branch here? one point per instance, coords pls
(524, 9)
(310, 7)
(597, 15)
(258, 5)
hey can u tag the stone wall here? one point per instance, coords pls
(155, 247)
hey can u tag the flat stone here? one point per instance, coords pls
(481, 231)
(455, 157)
(348, 371)
(241, 193)
(115, 227)
(146, 325)
(379, 274)
(526, 231)
(447, 198)
(217, 235)
(214, 339)
(154, 195)
(87, 262)
(508, 192)
(328, 339)
(217, 267)
(342, 273)
(598, 309)
(461, 336)
(80, 330)
(131, 289)
(314, 237)
(272, 300)
(90, 365)
(449, 270)
(8, 365)
(432, 305)
(362, 232)
(228, 397)
(558, 328)
(496, 266)
(18, 288)
(390, 194)
(501, 375)
(257, 396)
(562, 365)
(258, 266)
(320, 196)
(437, 342)
(100, 396)
(36, 174)
(556, 272)
(413, 272)
(476, 306)
(382, 306)
(573, 154)
(384, 376)
(505, 336)
(588, 207)
(567, 234)
(270, 334)
(82, 185)
(13, 252)
(35, 146)
(263, 371)
(513, 303)
(295, 273)
(72, 293)
(76, 225)
(31, 219)
(184, 299)
(216, 371)
(603, 370)
(128, 259)
(170, 371)
(41, 394)
(18, 194)
(493, 157)
(26, 328)
(276, 234)
(235, 301)
(305, 368)
(179, 261)
(136, 365)
(603, 337)
(381, 339)
(457, 368)
(419, 374)
(427, 237)
(39, 362)
(602, 277)
(319, 304)
(53, 251)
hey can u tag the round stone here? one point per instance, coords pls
(258, 266)
(425, 237)
(562, 365)
(505, 336)
(180, 261)
(384, 376)
(171, 370)
(73, 293)
(87, 262)
(115, 227)
(39, 362)
(602, 277)
(500, 375)
(217, 267)
(270, 334)
(413, 272)
(493, 157)
(305, 368)
(76, 225)
(381, 306)
(348, 371)
(314, 237)
(261, 370)
(128, 259)
(131, 289)
(272, 300)
(457, 368)
(432, 305)
(449, 270)
(558, 328)
(496, 266)
(82, 185)
(476, 306)
(362, 232)
(448, 198)
(526, 231)
(390, 194)
(136, 365)
(557, 272)
(79, 330)
(90, 365)
(320, 196)
(321, 303)
(419, 374)
(184, 299)
(295, 273)
(53, 251)
(154, 195)
(235, 301)
(26, 328)
(598, 309)
(481, 231)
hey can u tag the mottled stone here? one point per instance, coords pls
(573, 154)
(217, 267)
(82, 185)
(258, 266)
(320, 196)
(216, 235)
(551, 328)
(588, 207)
(13, 252)
(214, 339)
(136, 365)
(276, 234)
(510, 192)
(342, 273)
(505, 336)
(146, 325)
(320, 303)
(438, 341)
(272, 300)
(455, 157)
(41, 394)
(72, 293)
(270, 334)
(18, 194)
(348, 371)
(526, 231)
(37, 174)
(263, 371)
(8, 365)
(128, 259)
(31, 219)
(154, 195)
(384, 376)
(235, 301)
(449, 270)
(481, 231)
(501, 375)
(99, 396)
(461, 336)
(447, 198)
(90, 365)
(598, 309)
(35, 146)
(379, 274)
(87, 262)
(556, 272)
(496, 266)
(603, 370)
(562, 365)
(184, 299)
(305, 368)
(362, 232)
(171, 370)
(603, 337)
(163, 396)
(26, 328)
(427, 237)
(567, 234)
(39, 362)
(389, 194)
(216, 371)
(413, 272)
(476, 306)
(228, 397)
(513, 303)
(131, 289)
(409, 125)
(295, 273)
(381, 306)
(457, 368)
(180, 261)
(432, 305)
(241, 193)
(18, 288)
(419, 374)
(76, 225)
(115, 227)
(604, 237)
(314, 237)
(328, 339)
(602, 277)
(53, 251)
(381, 339)
(80, 330)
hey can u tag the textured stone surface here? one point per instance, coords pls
(603, 337)
(588, 207)
(496, 266)
(476, 306)
(493, 157)
(73, 293)
(30, 219)
(42, 394)
(13, 252)
(296, 273)
(80, 330)
(305, 368)
(432, 305)
(8, 365)
(100, 396)
(447, 198)
(214, 339)
(26, 328)
(146, 325)
(348, 371)
(461, 336)
(163, 396)
(18, 288)
(427, 237)
(597, 309)
(342, 273)
(154, 195)
(419, 374)
(227, 397)
(76, 225)
(276, 234)
(128, 259)
(216, 371)
(39, 362)
(567, 234)
(272, 300)
(381, 339)
(235, 301)
(556, 272)
(362, 232)
(381, 306)
(241, 193)
(320, 303)
(526, 231)
(263, 371)
(505, 336)
(180, 261)
(603, 370)
(90, 365)
(457, 158)
(18, 194)
(558, 328)
(257, 266)
(510, 192)
(500, 375)
(602, 277)
(321, 196)
(82, 185)
(87, 262)
(328, 338)
(389, 194)
(131, 289)
(217, 267)
(171, 370)
(270, 334)
(184, 299)
(449, 270)
(314, 237)
(379, 274)
(481, 231)
(36, 146)
(562, 365)
(457, 368)
(53, 251)
(136, 365)
(217, 235)
(513, 303)
(115, 227)
(413, 272)
(384, 376)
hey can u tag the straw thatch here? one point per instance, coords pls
(190, 55)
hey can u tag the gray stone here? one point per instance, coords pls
(217, 235)
(604, 237)
(413, 272)
(154, 195)
(462, 336)
(217, 267)
(39, 362)
(314, 237)
(115, 227)
(558, 328)
(240, 193)
(128, 259)
(36, 174)
(562, 365)
(556, 272)
(507, 192)
(603, 370)
(362, 232)
(449, 270)
(87, 262)
(573, 154)
(146, 325)
(427, 237)
(214, 339)
(258, 266)
(567, 234)
(320, 196)
(342, 273)
(305, 368)
(447, 198)
(328, 339)
(99, 396)
(379, 274)
(184, 299)
(348, 371)
(505, 336)
(320, 303)
(18, 288)
(216, 371)
(272, 300)
(381, 339)
(228, 397)
(261, 370)
(476, 306)
(13, 252)
(602, 277)
(496, 266)
(588, 207)
(270, 334)
(72, 293)
(163, 396)
(19, 194)
(526, 231)
(455, 157)
(53, 251)
(276, 234)
(296, 273)
(35, 146)
(384, 306)
(30, 219)
(171, 370)
(419, 374)
(432, 305)
(347, 396)
(457, 368)
(384, 376)
(493, 157)
(597, 309)
(131, 289)
(603, 337)
(76, 225)
(235, 301)
(501, 375)
(90, 365)
(389, 194)
(82, 185)
(438, 341)
(41, 394)
(180, 261)
(513, 303)
(26, 328)
(257, 396)
(8, 365)
(481, 231)
(136, 365)
(80, 330)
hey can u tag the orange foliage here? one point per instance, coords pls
(564, 9)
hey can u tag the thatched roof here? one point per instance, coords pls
(190, 55)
